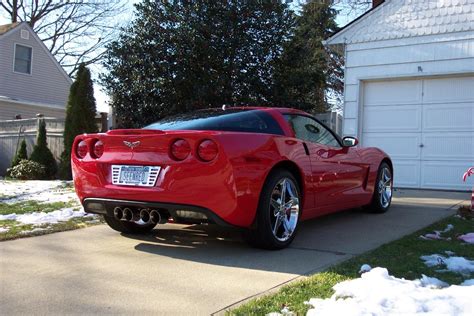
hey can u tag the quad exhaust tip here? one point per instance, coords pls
(118, 213)
(150, 217)
(145, 215)
(127, 214)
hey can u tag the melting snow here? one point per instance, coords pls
(4, 230)
(41, 191)
(38, 218)
(454, 264)
(378, 293)
(469, 238)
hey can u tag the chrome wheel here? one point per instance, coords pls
(284, 209)
(385, 187)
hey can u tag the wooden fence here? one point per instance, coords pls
(12, 132)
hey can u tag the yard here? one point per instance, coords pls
(417, 274)
(30, 208)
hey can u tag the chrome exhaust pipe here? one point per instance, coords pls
(118, 213)
(127, 214)
(155, 217)
(145, 216)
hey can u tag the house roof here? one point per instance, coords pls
(7, 27)
(396, 19)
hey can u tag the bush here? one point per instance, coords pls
(27, 170)
(41, 153)
(21, 154)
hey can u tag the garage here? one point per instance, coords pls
(426, 125)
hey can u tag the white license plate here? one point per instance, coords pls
(135, 175)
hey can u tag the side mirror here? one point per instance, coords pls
(350, 141)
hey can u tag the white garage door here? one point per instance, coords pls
(426, 126)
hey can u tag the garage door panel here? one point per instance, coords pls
(405, 118)
(448, 146)
(445, 90)
(388, 92)
(406, 173)
(440, 175)
(397, 145)
(448, 117)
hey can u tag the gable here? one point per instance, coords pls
(396, 19)
(46, 83)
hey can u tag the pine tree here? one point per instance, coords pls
(178, 56)
(80, 116)
(21, 154)
(41, 153)
(308, 71)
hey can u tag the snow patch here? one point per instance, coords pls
(4, 230)
(378, 293)
(468, 282)
(38, 218)
(454, 264)
(469, 238)
(41, 191)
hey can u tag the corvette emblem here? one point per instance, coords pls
(131, 144)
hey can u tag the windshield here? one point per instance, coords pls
(231, 120)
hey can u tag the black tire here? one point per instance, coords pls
(262, 236)
(378, 205)
(127, 227)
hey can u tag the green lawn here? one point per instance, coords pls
(400, 257)
(31, 206)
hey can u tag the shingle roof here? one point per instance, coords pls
(408, 18)
(7, 27)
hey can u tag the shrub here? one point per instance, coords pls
(27, 170)
(21, 154)
(41, 153)
(80, 116)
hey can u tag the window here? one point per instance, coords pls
(308, 129)
(22, 59)
(230, 120)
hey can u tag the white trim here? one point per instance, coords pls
(14, 58)
(31, 103)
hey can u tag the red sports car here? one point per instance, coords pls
(261, 169)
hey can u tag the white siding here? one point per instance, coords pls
(47, 83)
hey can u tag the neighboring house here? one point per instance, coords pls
(409, 87)
(31, 80)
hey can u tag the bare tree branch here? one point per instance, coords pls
(74, 31)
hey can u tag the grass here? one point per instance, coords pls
(400, 257)
(18, 230)
(31, 206)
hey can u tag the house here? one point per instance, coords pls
(409, 87)
(31, 80)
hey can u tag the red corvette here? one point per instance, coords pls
(260, 169)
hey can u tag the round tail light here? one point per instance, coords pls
(207, 150)
(180, 149)
(81, 149)
(98, 149)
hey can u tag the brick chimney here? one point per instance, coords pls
(376, 3)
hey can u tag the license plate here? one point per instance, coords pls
(135, 175)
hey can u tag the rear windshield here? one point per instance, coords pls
(231, 120)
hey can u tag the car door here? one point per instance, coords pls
(336, 170)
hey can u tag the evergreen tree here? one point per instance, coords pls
(80, 116)
(308, 72)
(21, 154)
(178, 56)
(41, 153)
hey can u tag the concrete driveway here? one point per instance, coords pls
(190, 269)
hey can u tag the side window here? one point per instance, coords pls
(310, 130)
(22, 62)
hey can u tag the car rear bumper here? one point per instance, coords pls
(179, 212)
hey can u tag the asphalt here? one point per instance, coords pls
(183, 270)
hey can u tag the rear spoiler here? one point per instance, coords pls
(135, 132)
